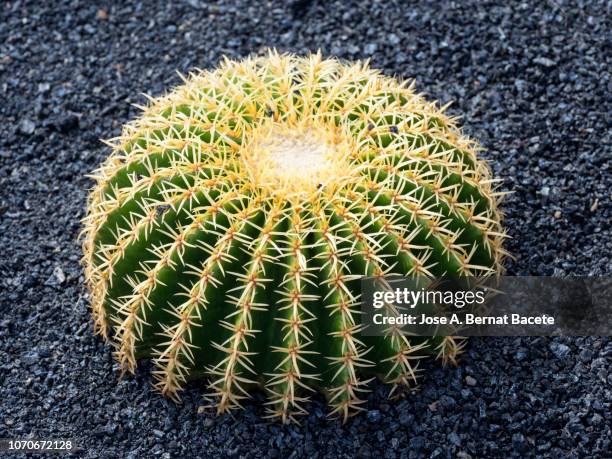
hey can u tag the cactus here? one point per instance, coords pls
(227, 232)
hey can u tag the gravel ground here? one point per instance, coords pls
(532, 83)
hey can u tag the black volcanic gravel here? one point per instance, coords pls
(532, 82)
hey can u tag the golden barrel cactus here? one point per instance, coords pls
(228, 230)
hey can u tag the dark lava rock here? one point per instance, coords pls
(560, 350)
(66, 123)
(374, 416)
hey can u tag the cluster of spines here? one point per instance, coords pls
(174, 189)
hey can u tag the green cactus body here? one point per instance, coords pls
(228, 230)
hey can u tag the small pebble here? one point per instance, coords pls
(27, 126)
(560, 350)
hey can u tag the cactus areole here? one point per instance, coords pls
(228, 229)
